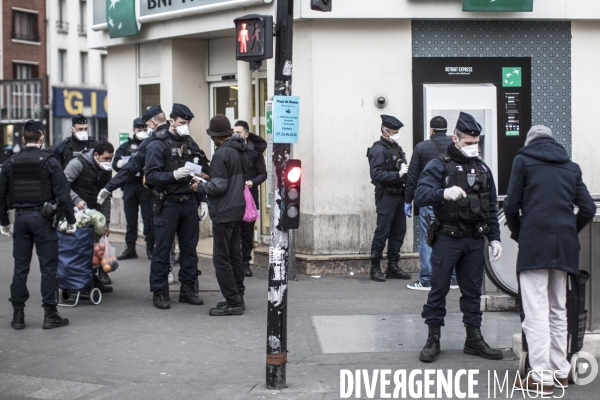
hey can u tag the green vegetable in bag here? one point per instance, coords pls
(98, 220)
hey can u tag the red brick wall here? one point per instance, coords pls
(17, 51)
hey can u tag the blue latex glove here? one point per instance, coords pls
(408, 210)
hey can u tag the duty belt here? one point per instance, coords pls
(393, 190)
(28, 209)
(178, 198)
(455, 231)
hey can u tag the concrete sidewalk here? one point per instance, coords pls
(124, 348)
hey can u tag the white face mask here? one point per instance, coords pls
(182, 130)
(81, 135)
(106, 165)
(149, 131)
(142, 135)
(470, 151)
(396, 137)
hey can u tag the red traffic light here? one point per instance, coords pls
(294, 174)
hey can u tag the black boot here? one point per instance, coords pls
(247, 270)
(52, 319)
(18, 321)
(149, 249)
(103, 277)
(234, 308)
(476, 346)
(376, 273)
(165, 290)
(432, 348)
(224, 303)
(160, 300)
(395, 272)
(98, 284)
(187, 295)
(129, 252)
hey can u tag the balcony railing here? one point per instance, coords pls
(20, 100)
(82, 30)
(62, 27)
(27, 36)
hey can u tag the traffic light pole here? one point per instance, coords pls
(279, 249)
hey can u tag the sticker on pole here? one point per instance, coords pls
(286, 119)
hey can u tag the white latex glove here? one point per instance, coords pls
(203, 211)
(102, 196)
(120, 163)
(454, 193)
(71, 228)
(181, 173)
(496, 250)
(7, 230)
(403, 170)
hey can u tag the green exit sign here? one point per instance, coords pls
(498, 5)
(511, 76)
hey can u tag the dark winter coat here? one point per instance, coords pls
(544, 186)
(257, 170)
(225, 189)
(424, 152)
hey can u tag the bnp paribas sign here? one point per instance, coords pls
(498, 5)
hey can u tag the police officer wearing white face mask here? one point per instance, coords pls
(88, 173)
(388, 168)
(135, 194)
(461, 189)
(76, 143)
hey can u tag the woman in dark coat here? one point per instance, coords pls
(544, 188)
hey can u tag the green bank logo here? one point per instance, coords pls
(120, 18)
(511, 76)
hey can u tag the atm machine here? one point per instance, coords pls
(479, 100)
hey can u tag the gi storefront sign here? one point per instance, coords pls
(286, 119)
(498, 5)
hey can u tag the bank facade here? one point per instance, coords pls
(425, 58)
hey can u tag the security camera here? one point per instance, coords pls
(380, 101)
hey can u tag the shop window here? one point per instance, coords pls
(25, 26)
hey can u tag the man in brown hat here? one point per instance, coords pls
(226, 206)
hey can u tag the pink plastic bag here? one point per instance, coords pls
(251, 213)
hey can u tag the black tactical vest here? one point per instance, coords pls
(29, 181)
(90, 182)
(394, 158)
(182, 152)
(74, 148)
(473, 180)
(132, 148)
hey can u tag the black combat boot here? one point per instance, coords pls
(149, 249)
(160, 300)
(187, 295)
(129, 252)
(432, 348)
(476, 346)
(18, 321)
(103, 277)
(52, 319)
(247, 270)
(395, 272)
(376, 273)
(98, 284)
(165, 291)
(224, 303)
(234, 308)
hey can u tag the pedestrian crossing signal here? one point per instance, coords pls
(254, 37)
(290, 194)
(321, 5)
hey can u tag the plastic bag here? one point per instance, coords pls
(251, 213)
(99, 249)
(109, 259)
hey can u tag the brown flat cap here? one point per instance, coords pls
(219, 126)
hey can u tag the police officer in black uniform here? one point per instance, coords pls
(76, 143)
(32, 182)
(388, 167)
(461, 189)
(175, 206)
(135, 195)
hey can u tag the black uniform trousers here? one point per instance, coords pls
(247, 232)
(391, 227)
(179, 219)
(135, 196)
(466, 254)
(227, 260)
(29, 228)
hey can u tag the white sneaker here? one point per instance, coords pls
(170, 278)
(418, 285)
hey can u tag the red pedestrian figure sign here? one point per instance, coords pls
(254, 36)
(243, 38)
